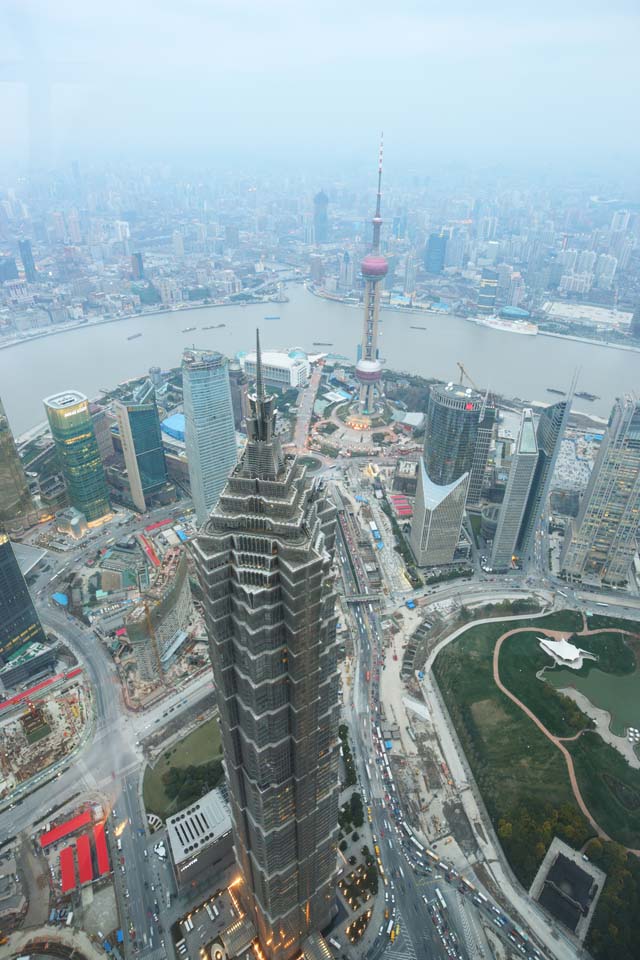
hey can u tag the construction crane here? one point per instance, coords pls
(464, 373)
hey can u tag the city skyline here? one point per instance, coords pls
(317, 575)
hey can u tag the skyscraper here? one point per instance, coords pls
(137, 266)
(210, 438)
(374, 268)
(264, 564)
(320, 217)
(600, 544)
(19, 622)
(437, 519)
(77, 448)
(139, 426)
(451, 432)
(435, 253)
(523, 465)
(26, 255)
(550, 431)
(487, 291)
(15, 499)
(458, 435)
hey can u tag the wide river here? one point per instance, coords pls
(92, 358)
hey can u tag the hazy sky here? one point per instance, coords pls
(211, 80)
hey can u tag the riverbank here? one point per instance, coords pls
(102, 321)
(422, 311)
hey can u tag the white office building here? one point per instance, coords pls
(279, 369)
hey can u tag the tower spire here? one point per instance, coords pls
(377, 220)
(259, 384)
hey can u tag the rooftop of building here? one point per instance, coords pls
(434, 493)
(276, 358)
(68, 398)
(27, 556)
(528, 442)
(198, 825)
(25, 653)
(406, 468)
(456, 392)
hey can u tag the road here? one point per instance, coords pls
(418, 936)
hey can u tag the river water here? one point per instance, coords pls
(88, 359)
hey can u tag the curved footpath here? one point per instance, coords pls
(557, 741)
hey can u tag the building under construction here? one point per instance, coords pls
(157, 626)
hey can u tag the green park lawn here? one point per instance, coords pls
(521, 774)
(201, 750)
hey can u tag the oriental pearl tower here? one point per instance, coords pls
(374, 268)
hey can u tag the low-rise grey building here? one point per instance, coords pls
(201, 840)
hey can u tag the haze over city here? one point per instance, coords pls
(264, 85)
(319, 481)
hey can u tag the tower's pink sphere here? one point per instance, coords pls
(374, 265)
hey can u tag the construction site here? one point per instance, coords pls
(41, 726)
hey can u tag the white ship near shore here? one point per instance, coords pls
(507, 326)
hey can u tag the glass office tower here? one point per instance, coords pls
(551, 427)
(139, 426)
(74, 436)
(210, 438)
(19, 622)
(523, 465)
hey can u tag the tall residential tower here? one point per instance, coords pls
(374, 269)
(210, 438)
(264, 563)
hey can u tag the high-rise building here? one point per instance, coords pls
(8, 269)
(374, 268)
(409, 287)
(77, 448)
(15, 499)
(600, 544)
(345, 280)
(239, 385)
(321, 217)
(264, 565)
(487, 291)
(19, 622)
(458, 434)
(210, 439)
(454, 414)
(549, 433)
(437, 519)
(139, 426)
(102, 422)
(484, 439)
(634, 328)
(137, 266)
(26, 255)
(435, 253)
(523, 465)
